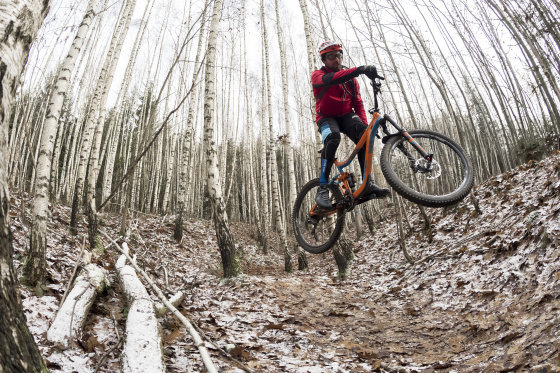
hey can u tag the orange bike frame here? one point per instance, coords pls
(366, 140)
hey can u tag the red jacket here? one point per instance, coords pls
(337, 93)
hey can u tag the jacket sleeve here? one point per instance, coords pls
(321, 79)
(358, 104)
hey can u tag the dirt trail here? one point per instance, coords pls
(489, 301)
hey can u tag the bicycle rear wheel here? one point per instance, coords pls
(316, 229)
(446, 180)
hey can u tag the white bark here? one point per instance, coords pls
(308, 37)
(142, 350)
(35, 267)
(104, 83)
(272, 150)
(286, 101)
(175, 300)
(190, 328)
(73, 313)
(311, 59)
(19, 22)
(121, 117)
(224, 237)
(169, 165)
(89, 131)
(182, 185)
(213, 174)
(264, 211)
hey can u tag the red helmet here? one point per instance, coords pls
(329, 46)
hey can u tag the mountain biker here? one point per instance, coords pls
(339, 109)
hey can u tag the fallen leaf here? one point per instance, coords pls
(239, 353)
(274, 326)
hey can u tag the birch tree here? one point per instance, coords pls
(89, 130)
(19, 22)
(122, 114)
(308, 36)
(35, 267)
(224, 237)
(271, 148)
(98, 116)
(187, 140)
(292, 190)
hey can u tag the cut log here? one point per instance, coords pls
(72, 314)
(175, 300)
(142, 348)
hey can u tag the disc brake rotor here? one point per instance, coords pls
(430, 170)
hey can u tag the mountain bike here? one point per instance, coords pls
(423, 166)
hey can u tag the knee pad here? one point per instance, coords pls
(333, 138)
(331, 144)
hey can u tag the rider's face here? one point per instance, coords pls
(333, 60)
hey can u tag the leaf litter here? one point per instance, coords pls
(485, 298)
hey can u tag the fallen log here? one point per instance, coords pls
(142, 350)
(208, 364)
(72, 314)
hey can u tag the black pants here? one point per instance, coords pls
(330, 128)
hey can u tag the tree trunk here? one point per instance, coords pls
(142, 351)
(120, 118)
(308, 36)
(35, 268)
(98, 117)
(19, 22)
(224, 237)
(343, 255)
(292, 191)
(187, 145)
(88, 138)
(272, 151)
(72, 315)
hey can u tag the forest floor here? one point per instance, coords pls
(485, 298)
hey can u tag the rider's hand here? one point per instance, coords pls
(369, 70)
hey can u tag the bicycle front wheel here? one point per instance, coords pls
(444, 181)
(316, 229)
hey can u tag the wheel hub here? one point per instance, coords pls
(429, 169)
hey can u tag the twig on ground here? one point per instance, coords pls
(222, 351)
(166, 277)
(207, 339)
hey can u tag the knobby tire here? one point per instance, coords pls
(422, 198)
(298, 214)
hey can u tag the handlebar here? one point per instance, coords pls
(376, 84)
(375, 76)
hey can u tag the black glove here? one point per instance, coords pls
(369, 70)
